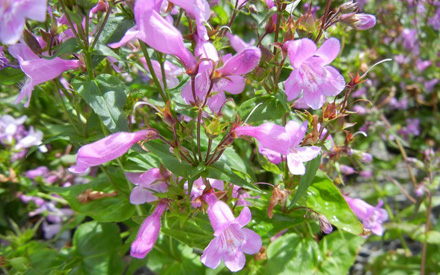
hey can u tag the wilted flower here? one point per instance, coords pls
(311, 73)
(325, 224)
(231, 239)
(371, 217)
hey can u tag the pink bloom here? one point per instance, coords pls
(359, 21)
(371, 217)
(296, 155)
(9, 126)
(311, 73)
(198, 9)
(271, 136)
(13, 14)
(38, 70)
(231, 239)
(108, 148)
(148, 233)
(146, 183)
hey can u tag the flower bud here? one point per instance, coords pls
(346, 170)
(241, 63)
(348, 7)
(325, 224)
(359, 21)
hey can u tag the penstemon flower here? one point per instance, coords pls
(231, 239)
(108, 148)
(372, 217)
(311, 73)
(146, 183)
(148, 232)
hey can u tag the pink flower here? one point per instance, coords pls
(171, 72)
(231, 239)
(371, 217)
(296, 155)
(13, 14)
(198, 188)
(38, 70)
(146, 183)
(311, 73)
(148, 232)
(108, 148)
(270, 135)
(237, 43)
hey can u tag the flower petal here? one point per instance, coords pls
(253, 242)
(313, 97)
(212, 256)
(329, 50)
(335, 83)
(234, 84)
(293, 85)
(244, 217)
(300, 50)
(296, 132)
(296, 167)
(307, 153)
(139, 195)
(235, 262)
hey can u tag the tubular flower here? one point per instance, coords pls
(13, 14)
(148, 232)
(108, 148)
(311, 73)
(372, 217)
(38, 70)
(231, 239)
(270, 135)
(359, 21)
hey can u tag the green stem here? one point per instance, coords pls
(153, 74)
(95, 40)
(52, 198)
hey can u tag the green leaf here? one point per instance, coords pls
(195, 232)
(311, 169)
(97, 245)
(237, 163)
(267, 165)
(68, 47)
(139, 163)
(292, 254)
(338, 252)
(115, 29)
(271, 108)
(170, 162)
(10, 76)
(106, 95)
(111, 209)
(222, 171)
(326, 199)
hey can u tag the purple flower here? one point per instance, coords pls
(231, 239)
(198, 9)
(148, 232)
(371, 217)
(410, 40)
(365, 157)
(297, 155)
(38, 70)
(422, 64)
(13, 14)
(146, 183)
(325, 224)
(366, 174)
(435, 20)
(429, 85)
(311, 73)
(108, 148)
